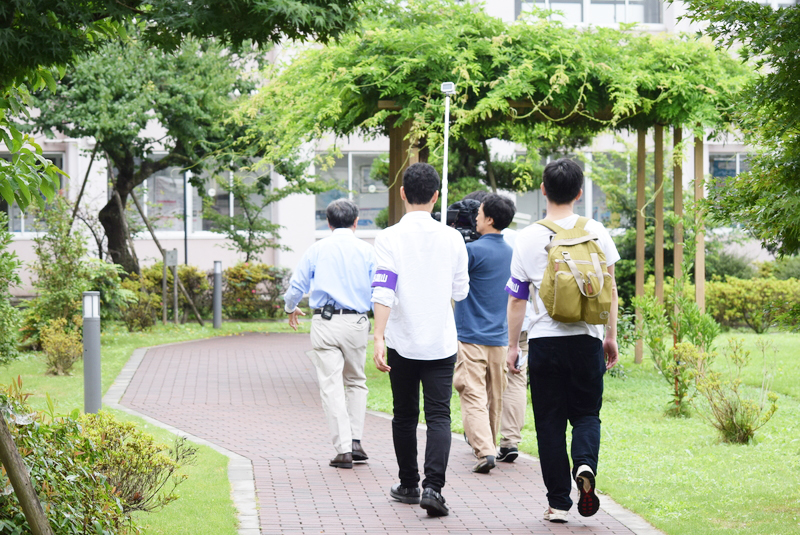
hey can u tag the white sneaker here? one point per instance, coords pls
(556, 515)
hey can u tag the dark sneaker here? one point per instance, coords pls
(433, 503)
(484, 464)
(405, 494)
(508, 455)
(589, 503)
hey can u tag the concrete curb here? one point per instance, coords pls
(240, 469)
(630, 520)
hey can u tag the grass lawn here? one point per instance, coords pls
(675, 472)
(205, 505)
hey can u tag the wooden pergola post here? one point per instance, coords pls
(700, 252)
(659, 208)
(677, 200)
(641, 161)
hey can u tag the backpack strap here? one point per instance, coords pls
(581, 223)
(549, 224)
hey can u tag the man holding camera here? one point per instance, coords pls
(338, 272)
(421, 266)
(480, 373)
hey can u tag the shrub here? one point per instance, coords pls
(756, 303)
(61, 273)
(91, 472)
(787, 267)
(9, 315)
(135, 465)
(140, 312)
(724, 265)
(736, 416)
(62, 346)
(194, 280)
(106, 278)
(77, 499)
(253, 290)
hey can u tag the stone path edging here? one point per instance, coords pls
(240, 468)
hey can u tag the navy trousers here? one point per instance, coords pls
(436, 377)
(566, 377)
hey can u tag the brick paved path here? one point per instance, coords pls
(257, 395)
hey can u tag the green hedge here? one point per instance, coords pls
(756, 303)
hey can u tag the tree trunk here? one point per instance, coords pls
(112, 220)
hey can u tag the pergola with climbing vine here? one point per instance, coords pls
(533, 82)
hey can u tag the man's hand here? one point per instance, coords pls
(380, 354)
(293, 323)
(611, 352)
(511, 359)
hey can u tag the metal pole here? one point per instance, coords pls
(444, 166)
(217, 294)
(92, 387)
(185, 219)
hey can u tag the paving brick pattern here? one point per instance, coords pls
(257, 395)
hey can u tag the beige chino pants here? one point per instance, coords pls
(340, 351)
(515, 401)
(480, 379)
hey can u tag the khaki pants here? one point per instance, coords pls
(515, 401)
(480, 379)
(340, 351)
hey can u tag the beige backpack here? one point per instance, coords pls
(576, 285)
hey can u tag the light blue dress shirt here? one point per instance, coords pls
(337, 269)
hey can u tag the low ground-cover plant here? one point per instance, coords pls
(734, 414)
(62, 346)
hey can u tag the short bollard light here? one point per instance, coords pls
(92, 389)
(217, 294)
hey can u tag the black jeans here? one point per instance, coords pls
(566, 375)
(436, 377)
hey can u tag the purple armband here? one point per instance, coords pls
(385, 278)
(517, 288)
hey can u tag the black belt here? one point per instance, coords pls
(339, 311)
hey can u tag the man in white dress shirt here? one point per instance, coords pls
(337, 272)
(421, 265)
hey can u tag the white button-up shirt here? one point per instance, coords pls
(421, 265)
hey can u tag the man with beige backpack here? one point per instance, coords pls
(565, 265)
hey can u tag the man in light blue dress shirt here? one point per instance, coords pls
(337, 274)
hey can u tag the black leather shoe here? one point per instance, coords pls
(343, 460)
(358, 452)
(405, 494)
(433, 503)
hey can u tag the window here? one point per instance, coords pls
(598, 12)
(19, 221)
(353, 177)
(721, 166)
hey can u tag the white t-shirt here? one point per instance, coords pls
(530, 262)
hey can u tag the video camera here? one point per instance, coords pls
(462, 215)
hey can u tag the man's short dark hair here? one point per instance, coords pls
(420, 182)
(563, 181)
(341, 213)
(477, 195)
(500, 209)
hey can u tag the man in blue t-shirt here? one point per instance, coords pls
(480, 373)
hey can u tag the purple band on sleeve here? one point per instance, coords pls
(385, 278)
(517, 288)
